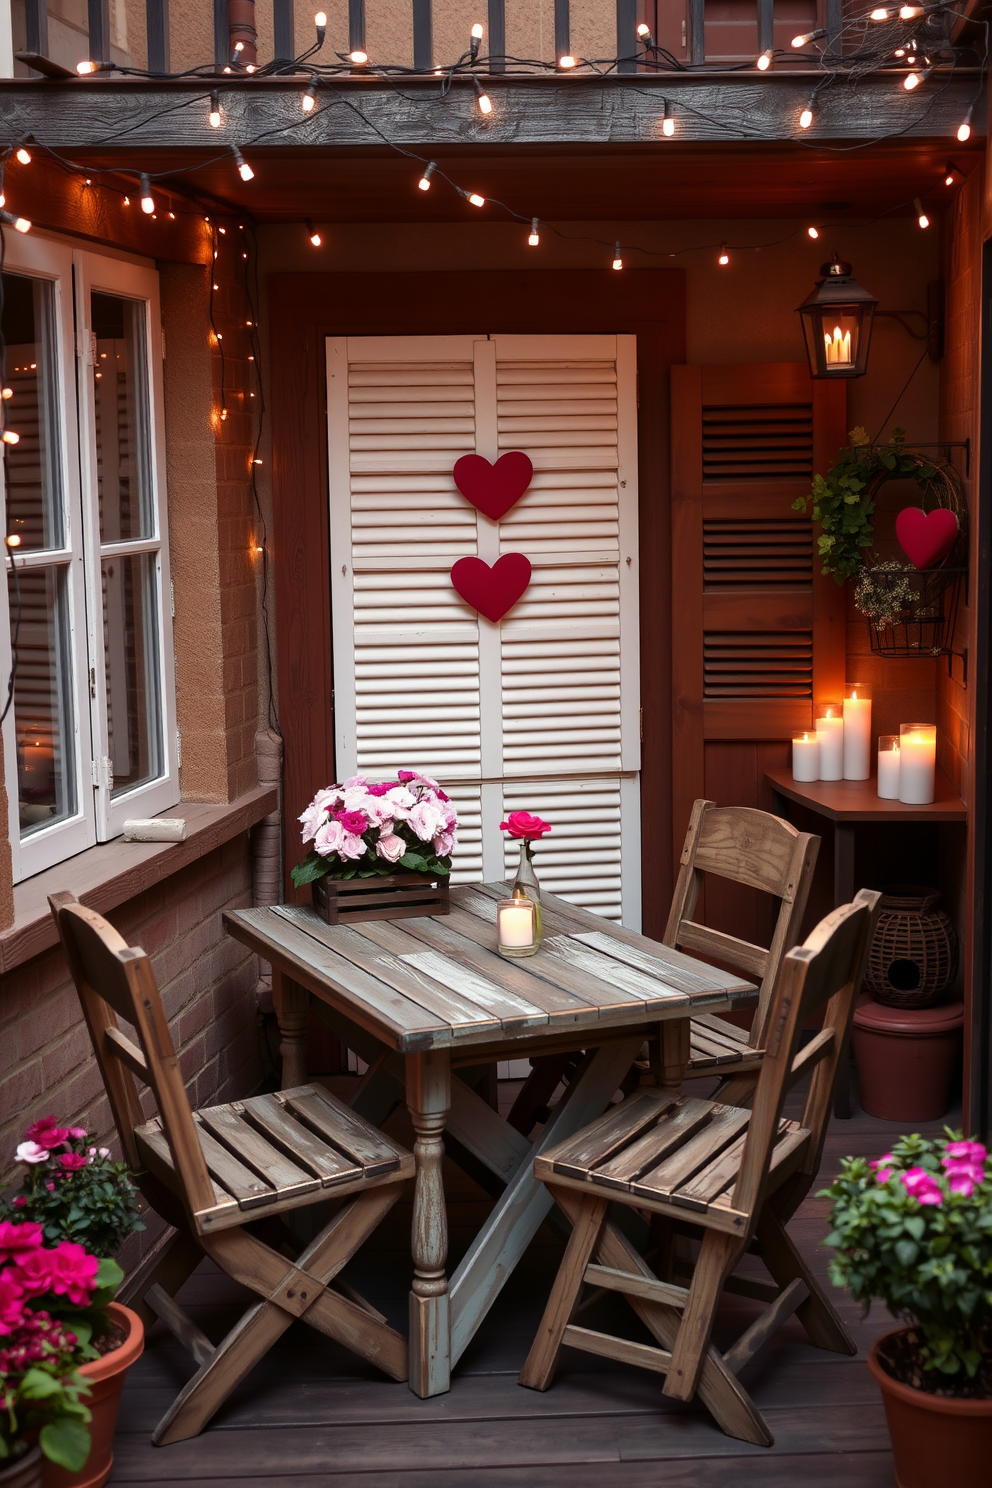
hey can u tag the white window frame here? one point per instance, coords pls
(99, 816)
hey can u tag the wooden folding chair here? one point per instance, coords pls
(735, 1175)
(764, 852)
(213, 1173)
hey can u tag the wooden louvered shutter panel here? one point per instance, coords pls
(757, 632)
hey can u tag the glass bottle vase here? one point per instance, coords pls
(525, 884)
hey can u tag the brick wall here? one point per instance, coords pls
(208, 989)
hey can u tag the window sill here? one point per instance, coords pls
(104, 877)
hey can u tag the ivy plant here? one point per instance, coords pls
(843, 500)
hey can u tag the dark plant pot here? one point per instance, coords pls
(935, 1440)
(106, 1379)
(25, 1472)
(906, 1059)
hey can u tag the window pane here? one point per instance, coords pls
(120, 398)
(130, 636)
(40, 634)
(33, 472)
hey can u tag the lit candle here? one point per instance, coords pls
(888, 767)
(917, 763)
(806, 758)
(37, 763)
(516, 927)
(830, 729)
(857, 731)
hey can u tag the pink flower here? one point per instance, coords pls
(351, 846)
(922, 1186)
(73, 1161)
(46, 1133)
(963, 1181)
(401, 801)
(19, 1202)
(11, 1309)
(882, 1173)
(78, 1132)
(523, 824)
(355, 822)
(405, 775)
(313, 819)
(31, 1152)
(328, 798)
(74, 1272)
(382, 788)
(33, 1271)
(18, 1239)
(329, 838)
(443, 843)
(390, 847)
(968, 1151)
(355, 781)
(428, 818)
(104, 1151)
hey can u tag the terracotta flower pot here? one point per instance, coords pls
(906, 1058)
(25, 1472)
(106, 1378)
(935, 1439)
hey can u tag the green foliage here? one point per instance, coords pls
(417, 859)
(930, 1262)
(96, 1206)
(843, 504)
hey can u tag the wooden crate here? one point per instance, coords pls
(397, 896)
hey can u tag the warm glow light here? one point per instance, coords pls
(921, 216)
(478, 31)
(244, 169)
(724, 258)
(24, 156)
(9, 437)
(21, 224)
(964, 128)
(320, 21)
(85, 68)
(214, 114)
(813, 232)
(147, 200)
(13, 541)
(534, 237)
(309, 100)
(314, 237)
(667, 120)
(425, 181)
(881, 14)
(806, 117)
(765, 60)
(568, 61)
(358, 58)
(838, 350)
(643, 30)
(476, 199)
(912, 80)
(482, 98)
(910, 12)
(7, 393)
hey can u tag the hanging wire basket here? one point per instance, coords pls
(910, 613)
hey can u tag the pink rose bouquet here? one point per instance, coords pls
(363, 829)
(913, 1228)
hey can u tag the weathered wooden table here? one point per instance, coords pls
(417, 997)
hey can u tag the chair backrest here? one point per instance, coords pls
(825, 972)
(115, 980)
(748, 847)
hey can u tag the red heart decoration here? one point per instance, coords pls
(492, 591)
(493, 489)
(926, 537)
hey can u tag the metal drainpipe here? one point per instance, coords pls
(241, 27)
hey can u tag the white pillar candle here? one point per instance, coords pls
(888, 767)
(917, 763)
(857, 731)
(830, 729)
(806, 758)
(516, 927)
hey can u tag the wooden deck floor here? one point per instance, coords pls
(311, 1414)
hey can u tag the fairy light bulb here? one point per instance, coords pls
(13, 541)
(425, 181)
(807, 37)
(949, 178)
(85, 68)
(910, 12)
(24, 156)
(476, 199)
(617, 257)
(724, 258)
(644, 35)
(147, 200)
(533, 237)
(567, 61)
(813, 232)
(358, 58)
(879, 14)
(475, 40)
(313, 234)
(22, 225)
(214, 115)
(484, 102)
(9, 437)
(7, 393)
(921, 216)
(244, 169)
(964, 128)
(320, 21)
(309, 100)
(806, 117)
(765, 60)
(914, 79)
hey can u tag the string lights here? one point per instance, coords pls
(482, 99)
(244, 169)
(309, 100)
(667, 119)
(964, 128)
(313, 235)
(425, 181)
(214, 116)
(765, 60)
(724, 257)
(475, 41)
(533, 237)
(617, 256)
(806, 117)
(921, 216)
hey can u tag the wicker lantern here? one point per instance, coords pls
(837, 319)
(913, 954)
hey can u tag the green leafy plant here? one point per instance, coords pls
(843, 500)
(74, 1190)
(914, 1230)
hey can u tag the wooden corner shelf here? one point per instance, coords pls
(858, 800)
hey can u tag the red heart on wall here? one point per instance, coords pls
(926, 537)
(493, 489)
(492, 591)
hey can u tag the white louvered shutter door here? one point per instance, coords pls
(540, 712)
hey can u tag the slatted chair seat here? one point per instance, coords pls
(729, 1175)
(274, 1152)
(220, 1174)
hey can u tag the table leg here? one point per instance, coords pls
(428, 1095)
(674, 1049)
(843, 894)
(292, 1003)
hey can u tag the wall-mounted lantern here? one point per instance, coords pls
(837, 319)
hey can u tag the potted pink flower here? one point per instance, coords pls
(398, 833)
(914, 1229)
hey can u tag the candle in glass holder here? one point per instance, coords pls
(516, 927)
(888, 767)
(830, 728)
(917, 763)
(806, 757)
(857, 731)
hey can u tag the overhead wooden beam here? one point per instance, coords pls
(561, 110)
